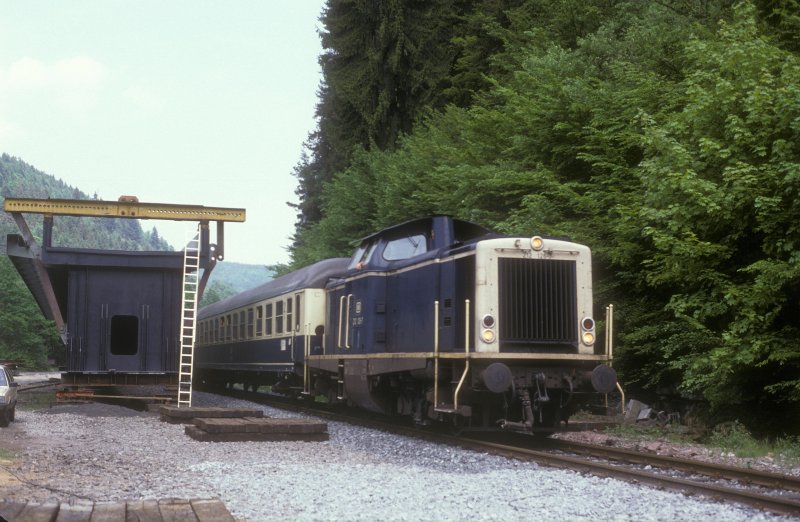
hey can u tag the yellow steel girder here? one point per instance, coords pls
(127, 208)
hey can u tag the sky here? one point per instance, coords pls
(182, 101)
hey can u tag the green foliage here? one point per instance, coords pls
(720, 214)
(662, 134)
(25, 335)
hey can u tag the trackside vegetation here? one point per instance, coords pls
(665, 135)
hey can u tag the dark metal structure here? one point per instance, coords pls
(117, 312)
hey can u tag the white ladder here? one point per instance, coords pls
(191, 271)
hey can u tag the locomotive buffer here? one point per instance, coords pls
(37, 273)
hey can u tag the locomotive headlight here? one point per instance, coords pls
(537, 243)
(587, 327)
(487, 336)
(488, 321)
(587, 323)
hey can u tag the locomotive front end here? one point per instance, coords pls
(535, 331)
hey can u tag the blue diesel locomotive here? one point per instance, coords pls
(437, 318)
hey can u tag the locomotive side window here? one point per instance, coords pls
(279, 317)
(362, 255)
(405, 247)
(259, 320)
(268, 324)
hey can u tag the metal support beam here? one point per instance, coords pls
(41, 272)
(124, 209)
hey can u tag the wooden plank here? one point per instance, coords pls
(38, 512)
(211, 510)
(176, 510)
(143, 511)
(291, 426)
(176, 415)
(80, 511)
(203, 436)
(108, 512)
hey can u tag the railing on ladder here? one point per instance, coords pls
(191, 271)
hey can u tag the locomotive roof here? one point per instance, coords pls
(312, 276)
(476, 229)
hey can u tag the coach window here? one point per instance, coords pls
(241, 324)
(268, 319)
(279, 317)
(289, 315)
(228, 327)
(235, 326)
(259, 320)
(405, 247)
(250, 315)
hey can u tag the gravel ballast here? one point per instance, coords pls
(359, 474)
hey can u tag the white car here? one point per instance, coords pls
(8, 396)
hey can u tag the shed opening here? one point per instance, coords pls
(124, 334)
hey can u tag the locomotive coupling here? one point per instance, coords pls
(497, 377)
(604, 378)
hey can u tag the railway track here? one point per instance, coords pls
(767, 491)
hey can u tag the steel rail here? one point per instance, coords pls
(777, 504)
(724, 471)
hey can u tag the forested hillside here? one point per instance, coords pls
(665, 135)
(230, 278)
(24, 333)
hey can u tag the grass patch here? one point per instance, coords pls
(6, 454)
(733, 437)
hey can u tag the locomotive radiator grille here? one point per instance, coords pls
(537, 304)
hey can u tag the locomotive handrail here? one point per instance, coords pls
(466, 357)
(436, 354)
(347, 325)
(341, 326)
(461, 381)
